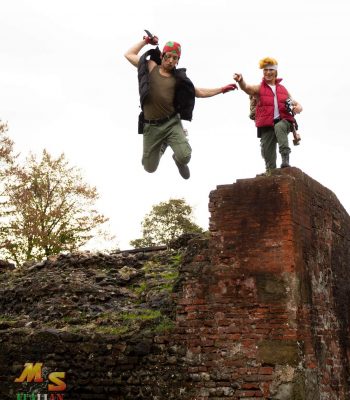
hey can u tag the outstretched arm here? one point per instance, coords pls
(249, 89)
(201, 92)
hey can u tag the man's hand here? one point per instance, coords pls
(297, 109)
(150, 39)
(228, 88)
(237, 77)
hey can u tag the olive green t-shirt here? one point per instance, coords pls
(159, 103)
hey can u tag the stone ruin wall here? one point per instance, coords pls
(268, 317)
(262, 309)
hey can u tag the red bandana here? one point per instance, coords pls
(172, 47)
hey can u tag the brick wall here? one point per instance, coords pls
(266, 315)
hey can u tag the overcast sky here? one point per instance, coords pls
(66, 86)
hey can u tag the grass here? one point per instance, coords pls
(144, 315)
(165, 325)
(7, 320)
(169, 275)
(112, 330)
(176, 260)
(140, 288)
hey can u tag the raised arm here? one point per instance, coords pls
(249, 89)
(132, 55)
(202, 92)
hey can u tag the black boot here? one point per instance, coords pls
(183, 168)
(285, 160)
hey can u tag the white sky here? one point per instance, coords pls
(66, 86)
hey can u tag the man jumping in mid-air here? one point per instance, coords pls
(167, 95)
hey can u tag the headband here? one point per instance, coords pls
(270, 66)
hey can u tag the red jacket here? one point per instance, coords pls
(265, 106)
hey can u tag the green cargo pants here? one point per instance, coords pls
(270, 136)
(157, 137)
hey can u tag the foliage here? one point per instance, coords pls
(7, 157)
(166, 221)
(47, 209)
(165, 325)
(143, 315)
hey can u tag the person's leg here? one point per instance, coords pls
(177, 140)
(268, 145)
(153, 146)
(282, 128)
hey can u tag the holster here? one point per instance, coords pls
(141, 123)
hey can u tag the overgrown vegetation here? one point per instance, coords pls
(119, 295)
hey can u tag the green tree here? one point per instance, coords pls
(47, 209)
(166, 221)
(7, 157)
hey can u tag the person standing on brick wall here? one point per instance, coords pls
(273, 117)
(167, 96)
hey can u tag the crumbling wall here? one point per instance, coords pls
(261, 309)
(268, 317)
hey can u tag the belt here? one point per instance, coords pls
(276, 120)
(160, 120)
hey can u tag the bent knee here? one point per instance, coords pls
(149, 169)
(184, 159)
(149, 165)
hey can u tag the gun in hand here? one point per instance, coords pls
(150, 39)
